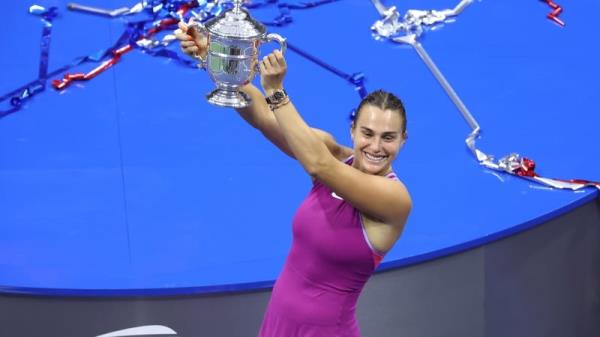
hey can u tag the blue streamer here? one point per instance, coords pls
(356, 79)
(163, 51)
(18, 96)
(160, 9)
(285, 14)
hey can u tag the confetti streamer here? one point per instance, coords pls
(408, 29)
(116, 54)
(556, 10)
(166, 13)
(18, 96)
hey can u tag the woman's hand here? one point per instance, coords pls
(192, 42)
(272, 71)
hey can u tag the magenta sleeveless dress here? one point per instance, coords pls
(328, 264)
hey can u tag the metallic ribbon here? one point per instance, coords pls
(100, 11)
(154, 7)
(355, 79)
(18, 96)
(135, 36)
(168, 12)
(407, 30)
(157, 6)
(285, 9)
(284, 18)
(209, 9)
(556, 10)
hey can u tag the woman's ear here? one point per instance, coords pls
(404, 138)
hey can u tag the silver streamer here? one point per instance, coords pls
(408, 29)
(107, 12)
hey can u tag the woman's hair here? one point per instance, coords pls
(385, 101)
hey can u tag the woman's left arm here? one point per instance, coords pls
(379, 197)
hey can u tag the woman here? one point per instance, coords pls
(353, 215)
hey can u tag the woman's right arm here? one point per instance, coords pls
(258, 114)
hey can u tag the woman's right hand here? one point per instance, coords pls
(192, 42)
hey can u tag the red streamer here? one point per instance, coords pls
(526, 168)
(162, 25)
(556, 10)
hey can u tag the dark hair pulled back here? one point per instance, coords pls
(385, 101)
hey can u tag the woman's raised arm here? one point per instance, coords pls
(258, 114)
(379, 197)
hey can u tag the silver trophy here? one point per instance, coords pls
(234, 38)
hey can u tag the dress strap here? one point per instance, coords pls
(392, 175)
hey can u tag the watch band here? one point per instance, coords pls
(274, 107)
(277, 97)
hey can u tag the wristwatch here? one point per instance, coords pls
(277, 97)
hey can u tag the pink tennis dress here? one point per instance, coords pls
(328, 264)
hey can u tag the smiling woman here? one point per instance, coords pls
(378, 132)
(354, 213)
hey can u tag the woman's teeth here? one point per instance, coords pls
(375, 158)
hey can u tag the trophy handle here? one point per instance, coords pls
(273, 37)
(276, 37)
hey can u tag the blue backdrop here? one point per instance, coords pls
(132, 183)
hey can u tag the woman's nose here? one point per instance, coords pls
(375, 145)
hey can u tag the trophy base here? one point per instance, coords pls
(228, 98)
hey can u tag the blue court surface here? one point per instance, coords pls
(132, 184)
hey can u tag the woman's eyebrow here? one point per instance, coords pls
(386, 133)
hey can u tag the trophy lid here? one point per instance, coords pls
(236, 23)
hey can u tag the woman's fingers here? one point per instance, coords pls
(272, 71)
(274, 62)
(267, 64)
(192, 30)
(182, 26)
(188, 43)
(192, 50)
(263, 68)
(191, 41)
(189, 47)
(182, 36)
(188, 32)
(279, 57)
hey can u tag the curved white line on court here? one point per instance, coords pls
(146, 330)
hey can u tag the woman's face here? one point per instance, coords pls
(377, 136)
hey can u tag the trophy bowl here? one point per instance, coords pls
(234, 38)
